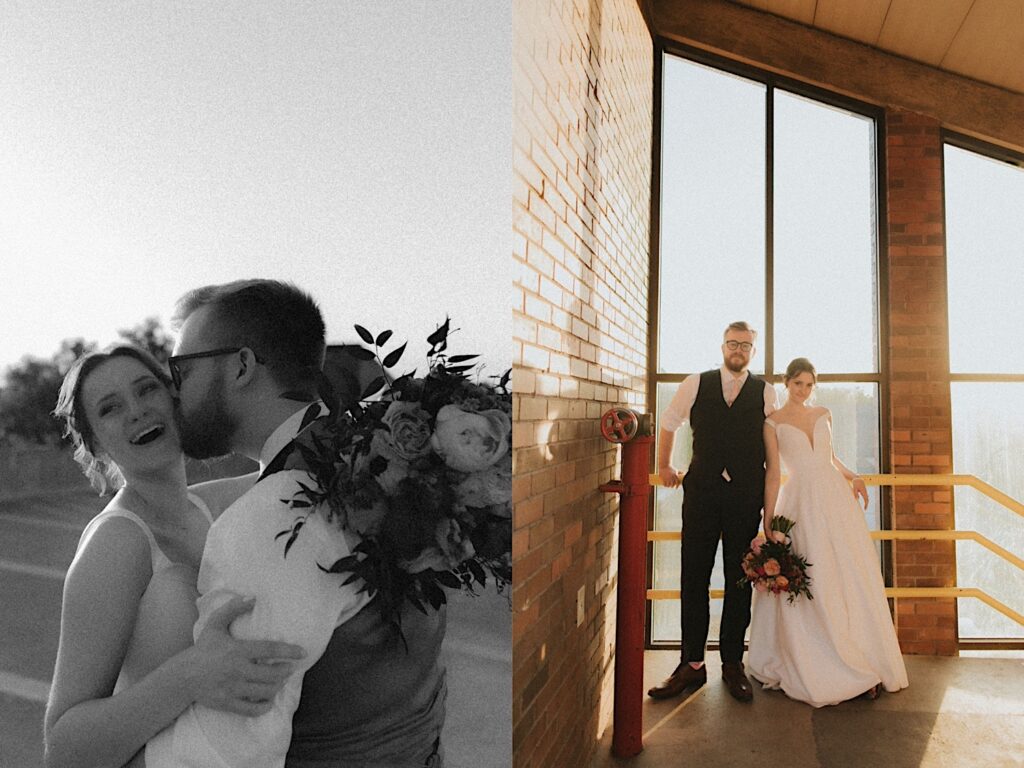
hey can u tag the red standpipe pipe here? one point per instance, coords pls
(634, 490)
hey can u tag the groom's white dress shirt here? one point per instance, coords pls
(296, 602)
(678, 411)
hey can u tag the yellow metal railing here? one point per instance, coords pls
(993, 493)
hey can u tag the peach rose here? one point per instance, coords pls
(409, 435)
(781, 582)
(471, 442)
(771, 567)
(492, 486)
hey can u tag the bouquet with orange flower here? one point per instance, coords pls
(772, 566)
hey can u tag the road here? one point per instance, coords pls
(38, 536)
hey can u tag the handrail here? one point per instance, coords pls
(905, 535)
(972, 481)
(980, 594)
(992, 492)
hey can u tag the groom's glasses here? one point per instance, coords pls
(174, 363)
(746, 346)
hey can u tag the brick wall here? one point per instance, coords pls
(581, 211)
(919, 347)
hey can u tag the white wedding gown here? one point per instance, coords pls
(838, 645)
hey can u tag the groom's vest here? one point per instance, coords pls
(728, 438)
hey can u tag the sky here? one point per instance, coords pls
(361, 150)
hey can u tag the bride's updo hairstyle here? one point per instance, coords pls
(798, 366)
(103, 474)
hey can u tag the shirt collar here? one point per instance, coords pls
(727, 375)
(285, 432)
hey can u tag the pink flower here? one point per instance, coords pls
(492, 486)
(779, 537)
(771, 567)
(760, 585)
(782, 582)
(755, 544)
(410, 430)
(471, 442)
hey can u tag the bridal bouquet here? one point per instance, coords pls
(420, 468)
(771, 565)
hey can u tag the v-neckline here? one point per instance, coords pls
(814, 427)
(736, 395)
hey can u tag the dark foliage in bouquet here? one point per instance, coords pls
(420, 468)
(771, 565)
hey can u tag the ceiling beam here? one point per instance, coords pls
(844, 66)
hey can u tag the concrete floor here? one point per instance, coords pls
(957, 712)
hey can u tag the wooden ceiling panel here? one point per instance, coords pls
(990, 44)
(922, 29)
(859, 20)
(797, 10)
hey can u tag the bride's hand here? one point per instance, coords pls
(240, 676)
(860, 490)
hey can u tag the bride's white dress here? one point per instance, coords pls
(838, 645)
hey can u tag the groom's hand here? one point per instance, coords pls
(240, 676)
(669, 476)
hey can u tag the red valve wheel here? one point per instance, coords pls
(620, 425)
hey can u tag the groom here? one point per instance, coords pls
(723, 494)
(246, 365)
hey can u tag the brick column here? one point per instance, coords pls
(919, 354)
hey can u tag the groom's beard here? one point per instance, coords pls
(736, 365)
(206, 432)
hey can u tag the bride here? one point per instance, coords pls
(126, 664)
(842, 643)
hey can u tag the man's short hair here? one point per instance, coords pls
(280, 322)
(742, 326)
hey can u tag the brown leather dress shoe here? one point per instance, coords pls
(682, 678)
(736, 681)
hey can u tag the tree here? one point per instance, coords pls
(151, 336)
(31, 387)
(30, 393)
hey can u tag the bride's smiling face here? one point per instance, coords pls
(800, 387)
(131, 414)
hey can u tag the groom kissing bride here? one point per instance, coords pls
(309, 673)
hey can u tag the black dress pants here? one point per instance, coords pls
(712, 510)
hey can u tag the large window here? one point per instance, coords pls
(984, 237)
(768, 213)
